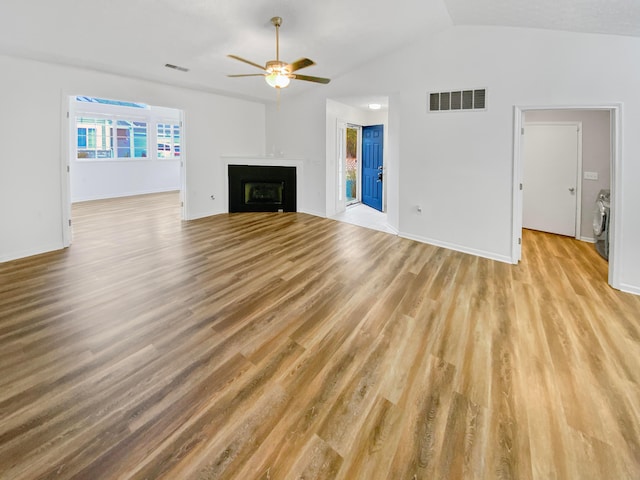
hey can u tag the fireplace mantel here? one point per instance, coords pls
(266, 160)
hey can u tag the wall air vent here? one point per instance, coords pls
(176, 67)
(458, 100)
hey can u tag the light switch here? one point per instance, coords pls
(590, 175)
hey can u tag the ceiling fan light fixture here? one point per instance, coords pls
(277, 80)
(278, 74)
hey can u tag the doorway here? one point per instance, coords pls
(117, 148)
(590, 178)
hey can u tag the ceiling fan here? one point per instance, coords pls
(278, 74)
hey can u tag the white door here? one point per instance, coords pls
(550, 178)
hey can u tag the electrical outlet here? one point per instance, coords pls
(590, 175)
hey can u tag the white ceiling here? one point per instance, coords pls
(616, 17)
(137, 37)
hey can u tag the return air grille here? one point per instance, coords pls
(458, 100)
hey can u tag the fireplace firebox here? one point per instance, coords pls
(258, 188)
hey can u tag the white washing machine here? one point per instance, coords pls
(601, 222)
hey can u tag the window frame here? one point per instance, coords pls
(173, 124)
(87, 128)
(114, 119)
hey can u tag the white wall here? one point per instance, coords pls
(31, 209)
(596, 154)
(108, 178)
(459, 166)
(293, 133)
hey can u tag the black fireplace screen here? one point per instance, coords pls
(259, 188)
(263, 192)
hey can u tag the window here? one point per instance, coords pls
(116, 130)
(131, 139)
(105, 101)
(168, 140)
(95, 137)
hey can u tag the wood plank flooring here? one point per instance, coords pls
(287, 346)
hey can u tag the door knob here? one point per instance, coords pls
(571, 189)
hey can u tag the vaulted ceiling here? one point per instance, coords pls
(138, 37)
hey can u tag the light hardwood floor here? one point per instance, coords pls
(287, 346)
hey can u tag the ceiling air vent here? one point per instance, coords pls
(458, 100)
(176, 67)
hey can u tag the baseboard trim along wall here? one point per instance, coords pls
(458, 248)
(39, 250)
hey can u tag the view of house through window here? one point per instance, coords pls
(168, 140)
(132, 139)
(95, 139)
(352, 165)
(114, 136)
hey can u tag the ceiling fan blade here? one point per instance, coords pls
(307, 78)
(248, 75)
(300, 63)
(235, 57)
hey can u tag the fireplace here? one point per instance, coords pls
(258, 188)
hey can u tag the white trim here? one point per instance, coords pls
(630, 289)
(312, 212)
(615, 110)
(123, 195)
(183, 166)
(40, 249)
(516, 192)
(340, 173)
(199, 215)
(587, 239)
(457, 248)
(65, 165)
(392, 229)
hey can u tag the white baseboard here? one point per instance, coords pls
(31, 252)
(120, 195)
(459, 248)
(311, 212)
(393, 230)
(588, 239)
(630, 289)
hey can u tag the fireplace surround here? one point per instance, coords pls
(262, 188)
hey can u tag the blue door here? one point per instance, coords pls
(372, 166)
